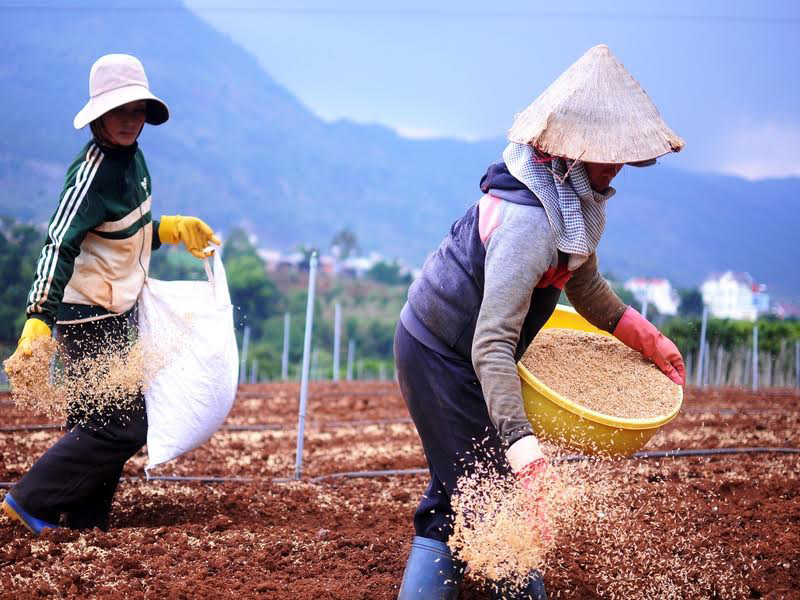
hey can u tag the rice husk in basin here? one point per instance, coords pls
(601, 373)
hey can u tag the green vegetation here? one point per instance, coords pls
(370, 306)
(772, 333)
(19, 249)
(390, 273)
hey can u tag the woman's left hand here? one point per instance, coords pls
(193, 232)
(638, 333)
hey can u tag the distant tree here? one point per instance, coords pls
(20, 246)
(255, 296)
(238, 242)
(691, 303)
(626, 296)
(684, 332)
(390, 273)
(772, 335)
(344, 244)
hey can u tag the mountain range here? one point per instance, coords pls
(241, 150)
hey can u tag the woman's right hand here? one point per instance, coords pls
(530, 466)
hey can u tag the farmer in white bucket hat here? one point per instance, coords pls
(88, 277)
(116, 80)
(496, 278)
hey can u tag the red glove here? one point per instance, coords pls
(530, 465)
(641, 335)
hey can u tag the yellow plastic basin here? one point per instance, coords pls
(562, 421)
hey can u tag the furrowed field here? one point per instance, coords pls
(723, 525)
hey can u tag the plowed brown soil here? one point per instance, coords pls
(349, 538)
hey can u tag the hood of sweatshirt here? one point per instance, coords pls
(498, 182)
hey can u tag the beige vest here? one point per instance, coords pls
(111, 272)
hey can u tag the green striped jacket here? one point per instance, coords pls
(97, 252)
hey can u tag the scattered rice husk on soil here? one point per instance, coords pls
(745, 509)
(600, 373)
(624, 516)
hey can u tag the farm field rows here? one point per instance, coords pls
(348, 538)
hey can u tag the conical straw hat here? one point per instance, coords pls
(596, 112)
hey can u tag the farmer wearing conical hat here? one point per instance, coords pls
(91, 269)
(496, 278)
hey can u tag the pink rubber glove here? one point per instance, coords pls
(530, 465)
(638, 333)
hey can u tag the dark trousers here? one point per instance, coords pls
(449, 411)
(78, 476)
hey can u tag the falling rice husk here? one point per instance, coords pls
(88, 389)
(601, 373)
(504, 533)
(113, 380)
(29, 377)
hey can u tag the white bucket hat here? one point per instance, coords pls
(597, 112)
(116, 79)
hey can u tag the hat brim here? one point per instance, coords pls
(596, 111)
(97, 106)
(637, 163)
(642, 163)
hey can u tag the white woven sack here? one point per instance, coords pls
(188, 325)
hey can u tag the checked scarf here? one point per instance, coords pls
(577, 214)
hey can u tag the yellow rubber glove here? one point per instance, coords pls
(34, 328)
(193, 232)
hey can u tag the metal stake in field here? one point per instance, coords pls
(755, 356)
(351, 356)
(337, 338)
(243, 360)
(301, 419)
(797, 364)
(720, 365)
(285, 358)
(689, 366)
(701, 353)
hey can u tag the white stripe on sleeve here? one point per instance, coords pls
(60, 226)
(58, 220)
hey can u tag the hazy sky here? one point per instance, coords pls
(724, 74)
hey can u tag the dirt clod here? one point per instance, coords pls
(696, 520)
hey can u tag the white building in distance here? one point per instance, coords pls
(732, 295)
(657, 293)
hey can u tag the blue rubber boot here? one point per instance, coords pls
(15, 511)
(431, 572)
(533, 590)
